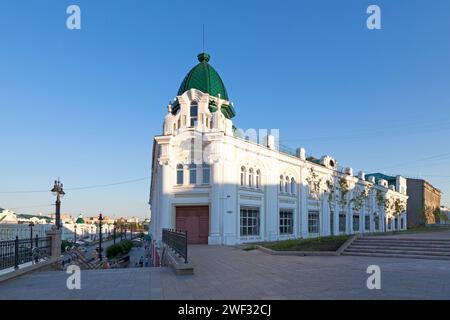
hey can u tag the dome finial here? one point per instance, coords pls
(203, 57)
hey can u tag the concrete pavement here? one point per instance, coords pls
(231, 273)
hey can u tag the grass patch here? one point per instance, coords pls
(315, 244)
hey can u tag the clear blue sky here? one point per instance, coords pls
(85, 105)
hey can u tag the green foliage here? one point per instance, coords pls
(330, 190)
(320, 244)
(65, 244)
(381, 201)
(122, 247)
(314, 182)
(440, 216)
(398, 207)
(359, 200)
(344, 188)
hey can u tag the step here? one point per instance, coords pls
(381, 238)
(375, 247)
(405, 243)
(389, 255)
(426, 253)
(406, 246)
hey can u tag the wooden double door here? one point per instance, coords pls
(194, 219)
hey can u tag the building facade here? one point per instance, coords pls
(424, 199)
(225, 188)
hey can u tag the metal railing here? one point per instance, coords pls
(16, 252)
(177, 241)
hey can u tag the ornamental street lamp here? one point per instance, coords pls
(100, 219)
(114, 232)
(75, 235)
(59, 193)
(31, 225)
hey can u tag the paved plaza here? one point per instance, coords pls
(231, 273)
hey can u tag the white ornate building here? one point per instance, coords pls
(227, 190)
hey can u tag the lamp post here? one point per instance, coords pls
(75, 234)
(121, 232)
(31, 225)
(59, 193)
(114, 232)
(100, 219)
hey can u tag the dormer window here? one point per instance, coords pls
(194, 115)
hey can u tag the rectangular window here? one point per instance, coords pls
(286, 221)
(396, 223)
(313, 221)
(342, 221)
(193, 174)
(180, 175)
(331, 222)
(402, 223)
(194, 115)
(367, 222)
(377, 223)
(249, 221)
(206, 173)
(355, 222)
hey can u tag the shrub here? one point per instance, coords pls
(122, 247)
(65, 244)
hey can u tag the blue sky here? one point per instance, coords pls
(84, 105)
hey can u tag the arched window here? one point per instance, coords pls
(194, 115)
(192, 173)
(286, 185)
(206, 173)
(180, 174)
(243, 174)
(281, 183)
(258, 179)
(250, 177)
(292, 185)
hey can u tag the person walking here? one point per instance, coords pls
(141, 262)
(146, 262)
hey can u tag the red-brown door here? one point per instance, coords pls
(194, 219)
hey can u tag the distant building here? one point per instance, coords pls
(446, 212)
(7, 216)
(424, 199)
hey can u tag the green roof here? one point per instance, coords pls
(203, 77)
(80, 220)
(390, 179)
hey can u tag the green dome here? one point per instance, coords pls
(80, 220)
(203, 77)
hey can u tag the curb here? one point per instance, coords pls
(27, 269)
(338, 252)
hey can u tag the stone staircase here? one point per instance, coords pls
(413, 248)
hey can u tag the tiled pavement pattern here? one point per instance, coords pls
(231, 273)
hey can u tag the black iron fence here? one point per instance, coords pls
(16, 252)
(177, 241)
